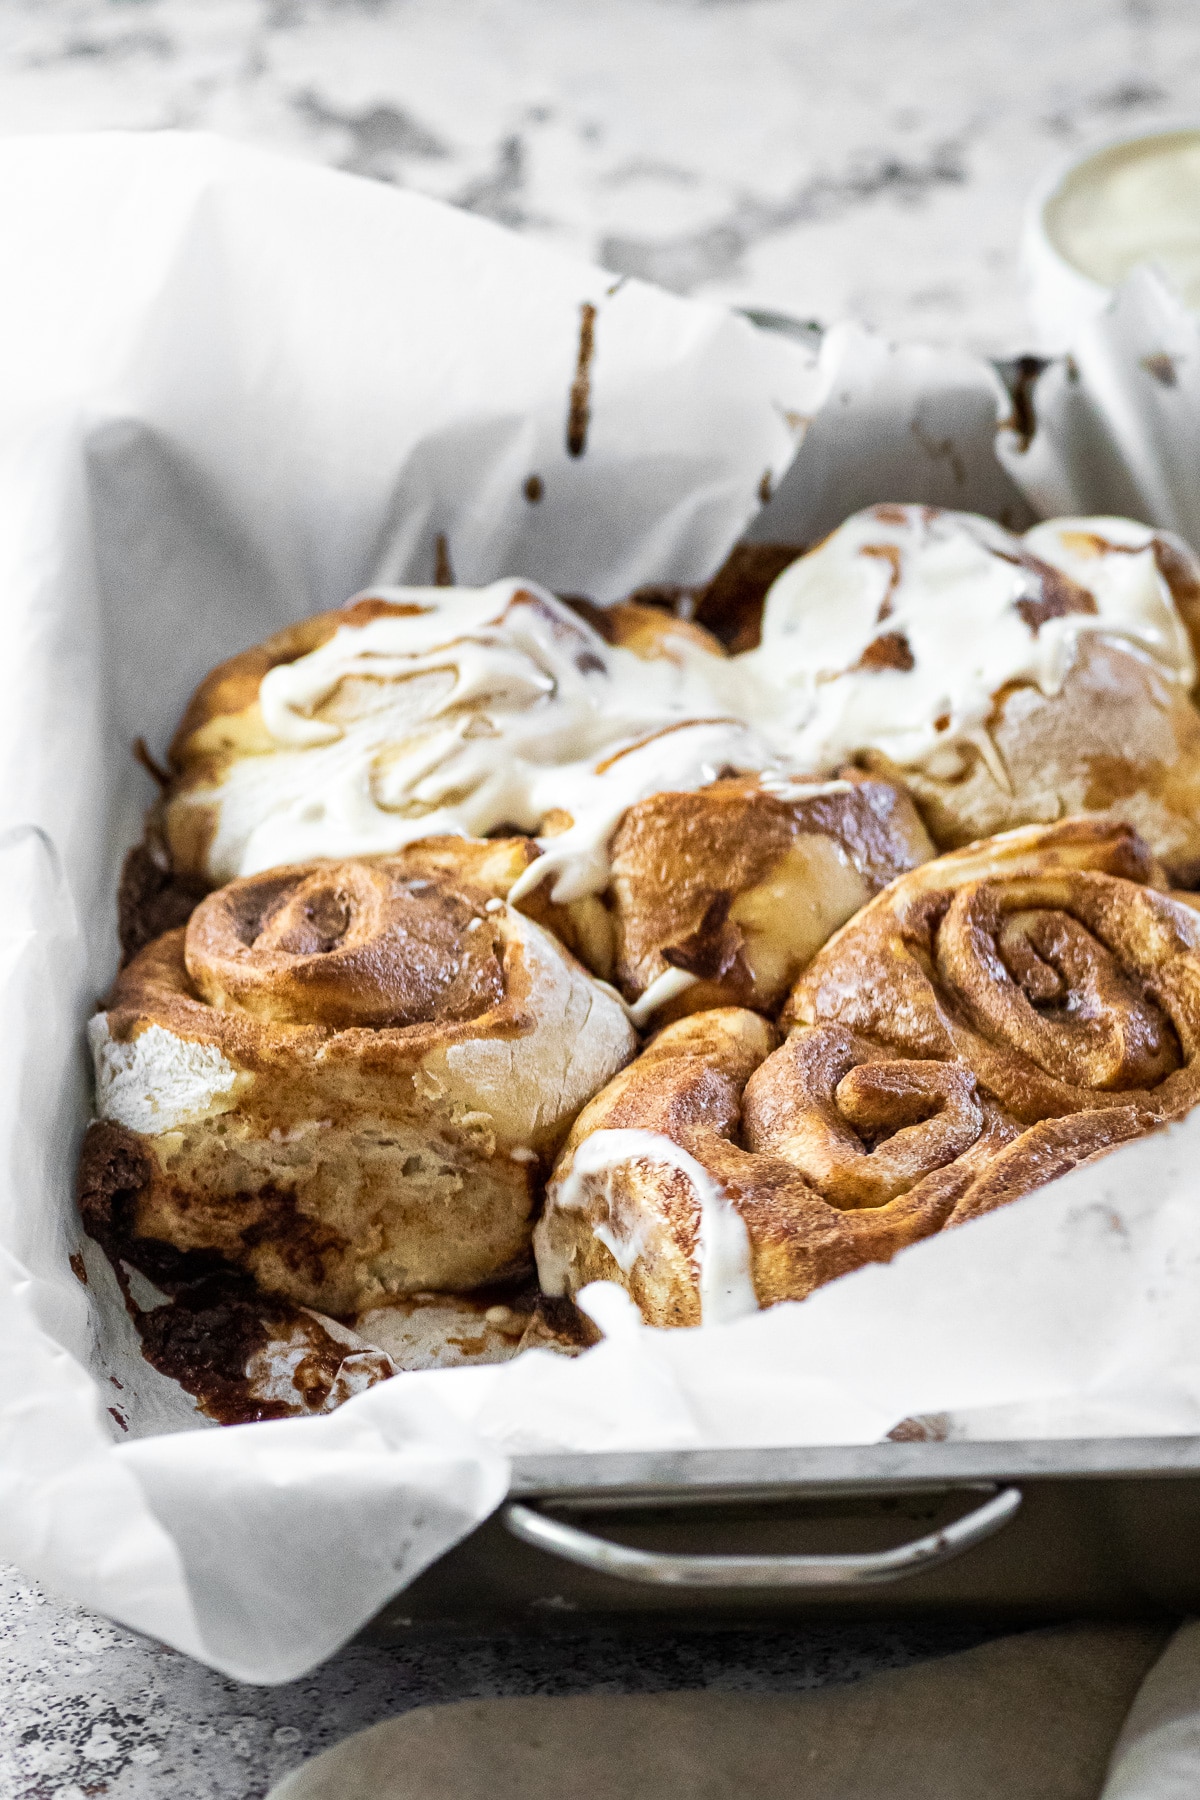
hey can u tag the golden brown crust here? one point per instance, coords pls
(456, 866)
(345, 944)
(384, 1010)
(989, 1021)
(232, 687)
(1116, 739)
(738, 885)
(646, 630)
(348, 1078)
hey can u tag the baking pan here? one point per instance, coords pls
(1016, 1530)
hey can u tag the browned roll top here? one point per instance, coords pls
(346, 944)
(986, 1023)
(1062, 989)
(1059, 969)
(737, 885)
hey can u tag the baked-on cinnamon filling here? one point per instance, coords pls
(987, 1022)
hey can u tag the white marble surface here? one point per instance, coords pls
(812, 156)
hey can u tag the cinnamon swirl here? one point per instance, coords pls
(987, 1022)
(1004, 680)
(345, 1078)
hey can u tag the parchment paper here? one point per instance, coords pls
(232, 391)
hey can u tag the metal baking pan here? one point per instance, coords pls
(1011, 1530)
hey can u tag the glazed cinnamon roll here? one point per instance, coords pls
(986, 1023)
(346, 1078)
(720, 897)
(1004, 680)
(419, 712)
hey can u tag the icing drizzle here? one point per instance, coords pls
(722, 1252)
(476, 710)
(899, 630)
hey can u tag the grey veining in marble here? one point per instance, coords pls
(824, 158)
(815, 156)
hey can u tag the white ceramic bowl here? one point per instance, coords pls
(1094, 217)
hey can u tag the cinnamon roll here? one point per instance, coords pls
(721, 896)
(346, 1078)
(420, 712)
(987, 1022)
(1005, 680)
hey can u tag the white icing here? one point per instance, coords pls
(788, 787)
(157, 1082)
(722, 1257)
(497, 707)
(1114, 560)
(487, 707)
(1133, 203)
(664, 987)
(950, 585)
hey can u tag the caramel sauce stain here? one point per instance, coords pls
(142, 754)
(731, 604)
(712, 949)
(934, 1428)
(891, 650)
(217, 1321)
(1060, 596)
(890, 554)
(764, 487)
(152, 899)
(579, 412)
(1022, 379)
(534, 488)
(77, 1268)
(1162, 367)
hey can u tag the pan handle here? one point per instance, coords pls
(659, 1568)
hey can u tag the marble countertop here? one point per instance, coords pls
(756, 151)
(759, 151)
